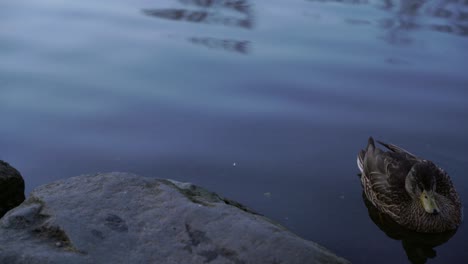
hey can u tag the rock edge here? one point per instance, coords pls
(125, 218)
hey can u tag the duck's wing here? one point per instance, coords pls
(399, 150)
(390, 167)
(384, 174)
(374, 167)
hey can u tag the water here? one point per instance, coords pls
(265, 102)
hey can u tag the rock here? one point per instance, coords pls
(124, 218)
(11, 188)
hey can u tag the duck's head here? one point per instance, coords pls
(420, 184)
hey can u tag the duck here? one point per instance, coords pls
(414, 192)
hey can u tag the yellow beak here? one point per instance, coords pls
(429, 203)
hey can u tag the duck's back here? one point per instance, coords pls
(397, 166)
(384, 167)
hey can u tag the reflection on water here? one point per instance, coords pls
(405, 16)
(232, 13)
(419, 247)
(241, 6)
(226, 44)
(197, 16)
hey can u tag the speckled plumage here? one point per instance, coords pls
(383, 175)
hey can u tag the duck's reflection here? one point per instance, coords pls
(232, 13)
(419, 247)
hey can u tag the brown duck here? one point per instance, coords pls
(414, 192)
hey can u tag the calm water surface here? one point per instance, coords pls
(267, 102)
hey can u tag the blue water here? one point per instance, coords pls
(266, 102)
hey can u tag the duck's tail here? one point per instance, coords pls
(360, 160)
(397, 149)
(362, 154)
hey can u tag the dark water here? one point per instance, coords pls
(266, 102)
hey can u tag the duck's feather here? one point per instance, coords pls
(383, 176)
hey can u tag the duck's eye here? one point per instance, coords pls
(425, 196)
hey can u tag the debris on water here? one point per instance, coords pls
(267, 194)
(234, 164)
(342, 197)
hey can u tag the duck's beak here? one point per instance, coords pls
(429, 203)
